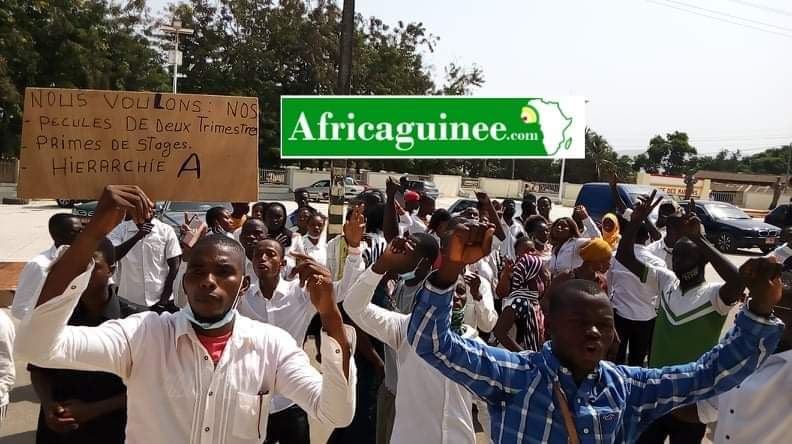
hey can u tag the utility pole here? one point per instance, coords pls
(336, 208)
(175, 56)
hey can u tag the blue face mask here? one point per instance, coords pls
(227, 317)
(410, 275)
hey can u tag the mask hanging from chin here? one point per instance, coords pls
(228, 316)
(691, 275)
(410, 275)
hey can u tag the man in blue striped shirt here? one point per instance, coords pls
(603, 402)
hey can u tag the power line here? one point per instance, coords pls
(762, 7)
(710, 139)
(713, 11)
(789, 36)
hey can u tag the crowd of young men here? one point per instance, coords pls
(525, 328)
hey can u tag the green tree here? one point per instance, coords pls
(71, 44)
(267, 49)
(670, 153)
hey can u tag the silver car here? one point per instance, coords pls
(320, 190)
(173, 212)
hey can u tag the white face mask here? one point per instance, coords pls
(227, 317)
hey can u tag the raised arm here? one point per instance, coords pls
(625, 254)
(44, 337)
(123, 247)
(387, 326)
(489, 372)
(390, 223)
(755, 335)
(613, 181)
(581, 217)
(486, 207)
(732, 289)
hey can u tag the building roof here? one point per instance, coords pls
(722, 176)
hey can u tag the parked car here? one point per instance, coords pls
(424, 186)
(729, 228)
(69, 203)
(781, 216)
(172, 213)
(320, 190)
(598, 200)
(463, 204)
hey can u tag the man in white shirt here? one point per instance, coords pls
(634, 304)
(148, 256)
(285, 304)
(516, 227)
(429, 407)
(63, 229)
(758, 410)
(203, 374)
(7, 369)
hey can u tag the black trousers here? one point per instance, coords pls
(677, 431)
(288, 426)
(637, 335)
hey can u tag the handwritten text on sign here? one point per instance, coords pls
(176, 147)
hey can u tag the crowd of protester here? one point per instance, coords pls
(428, 326)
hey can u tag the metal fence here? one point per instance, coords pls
(724, 196)
(272, 177)
(541, 188)
(8, 170)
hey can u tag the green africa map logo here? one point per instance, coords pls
(430, 127)
(552, 121)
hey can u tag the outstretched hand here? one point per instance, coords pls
(644, 207)
(115, 203)
(398, 257)
(468, 243)
(691, 224)
(354, 227)
(317, 279)
(762, 276)
(579, 213)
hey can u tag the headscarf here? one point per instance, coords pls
(596, 250)
(525, 271)
(611, 237)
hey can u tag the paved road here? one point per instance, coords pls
(23, 234)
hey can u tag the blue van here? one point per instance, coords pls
(597, 198)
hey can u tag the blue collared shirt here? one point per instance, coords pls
(613, 404)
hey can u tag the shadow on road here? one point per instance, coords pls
(24, 393)
(19, 438)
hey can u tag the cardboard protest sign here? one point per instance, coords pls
(179, 147)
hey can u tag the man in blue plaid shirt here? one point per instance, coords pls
(566, 392)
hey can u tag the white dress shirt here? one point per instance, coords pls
(175, 393)
(430, 408)
(31, 280)
(290, 308)
(660, 250)
(568, 256)
(7, 369)
(481, 315)
(758, 410)
(317, 251)
(631, 298)
(411, 223)
(142, 272)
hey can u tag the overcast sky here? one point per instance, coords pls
(647, 66)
